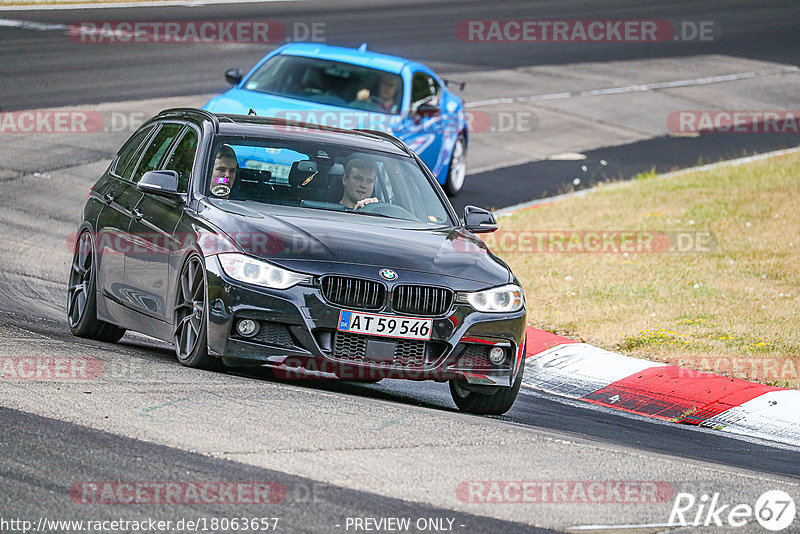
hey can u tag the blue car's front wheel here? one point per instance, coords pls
(458, 167)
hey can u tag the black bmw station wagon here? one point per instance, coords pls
(253, 241)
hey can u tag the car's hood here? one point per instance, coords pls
(241, 101)
(318, 242)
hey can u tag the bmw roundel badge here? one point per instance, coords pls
(388, 274)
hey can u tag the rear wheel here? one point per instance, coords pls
(457, 172)
(82, 296)
(494, 400)
(189, 317)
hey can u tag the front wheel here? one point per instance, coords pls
(496, 402)
(457, 172)
(190, 316)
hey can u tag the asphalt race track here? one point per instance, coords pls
(340, 451)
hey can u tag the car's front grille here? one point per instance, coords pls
(421, 300)
(353, 292)
(353, 348)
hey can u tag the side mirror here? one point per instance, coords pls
(233, 76)
(479, 220)
(427, 109)
(164, 183)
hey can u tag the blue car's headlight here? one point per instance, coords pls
(503, 299)
(260, 273)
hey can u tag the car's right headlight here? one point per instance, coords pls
(252, 271)
(503, 299)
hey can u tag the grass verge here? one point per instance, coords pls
(700, 270)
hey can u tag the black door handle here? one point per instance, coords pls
(109, 198)
(137, 214)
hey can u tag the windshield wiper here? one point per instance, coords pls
(374, 214)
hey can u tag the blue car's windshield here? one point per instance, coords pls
(329, 82)
(319, 176)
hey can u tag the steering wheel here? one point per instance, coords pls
(221, 190)
(389, 210)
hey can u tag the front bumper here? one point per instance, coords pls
(298, 330)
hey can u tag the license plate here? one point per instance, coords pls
(384, 325)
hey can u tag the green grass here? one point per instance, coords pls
(731, 306)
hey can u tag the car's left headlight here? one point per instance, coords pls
(253, 271)
(507, 298)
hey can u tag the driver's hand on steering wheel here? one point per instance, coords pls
(363, 94)
(364, 201)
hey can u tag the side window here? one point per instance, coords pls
(127, 155)
(156, 149)
(424, 89)
(182, 159)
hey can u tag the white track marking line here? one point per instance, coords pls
(638, 88)
(31, 25)
(113, 5)
(624, 527)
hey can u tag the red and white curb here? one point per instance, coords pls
(576, 370)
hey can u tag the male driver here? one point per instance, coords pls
(385, 99)
(224, 173)
(359, 182)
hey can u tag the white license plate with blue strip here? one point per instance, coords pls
(384, 325)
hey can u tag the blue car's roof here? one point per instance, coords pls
(367, 58)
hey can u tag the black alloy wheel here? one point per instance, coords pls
(82, 296)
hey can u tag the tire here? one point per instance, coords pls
(457, 171)
(82, 296)
(496, 403)
(190, 316)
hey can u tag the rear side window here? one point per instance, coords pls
(128, 155)
(156, 149)
(182, 159)
(424, 89)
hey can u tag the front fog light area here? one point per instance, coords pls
(247, 327)
(497, 355)
(503, 299)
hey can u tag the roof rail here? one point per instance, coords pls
(388, 137)
(184, 111)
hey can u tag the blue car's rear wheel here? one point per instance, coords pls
(457, 172)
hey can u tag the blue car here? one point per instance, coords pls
(357, 89)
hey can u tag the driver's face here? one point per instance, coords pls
(387, 88)
(359, 184)
(224, 168)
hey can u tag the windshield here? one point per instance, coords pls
(329, 82)
(321, 176)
